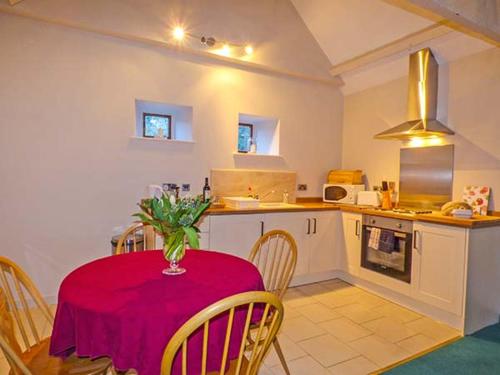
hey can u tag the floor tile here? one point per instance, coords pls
(417, 344)
(302, 366)
(295, 298)
(264, 370)
(356, 366)
(345, 330)
(290, 350)
(328, 350)
(433, 329)
(301, 328)
(337, 299)
(317, 312)
(379, 351)
(313, 289)
(389, 329)
(359, 313)
(371, 300)
(394, 311)
(290, 312)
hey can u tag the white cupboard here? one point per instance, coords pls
(316, 235)
(351, 242)
(295, 223)
(438, 266)
(324, 241)
(235, 234)
(315, 232)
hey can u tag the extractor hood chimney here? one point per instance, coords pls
(422, 101)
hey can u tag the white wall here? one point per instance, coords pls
(468, 103)
(71, 173)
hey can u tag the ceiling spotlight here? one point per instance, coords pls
(208, 41)
(248, 49)
(178, 33)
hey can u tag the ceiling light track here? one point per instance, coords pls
(222, 47)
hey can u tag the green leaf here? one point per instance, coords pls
(192, 237)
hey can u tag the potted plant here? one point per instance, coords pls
(175, 220)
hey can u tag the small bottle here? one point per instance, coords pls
(253, 147)
(206, 191)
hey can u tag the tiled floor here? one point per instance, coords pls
(335, 328)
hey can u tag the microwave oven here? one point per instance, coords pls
(337, 193)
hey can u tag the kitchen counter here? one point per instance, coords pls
(435, 217)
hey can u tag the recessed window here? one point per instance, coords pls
(259, 132)
(157, 126)
(245, 135)
(163, 121)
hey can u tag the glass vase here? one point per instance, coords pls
(174, 257)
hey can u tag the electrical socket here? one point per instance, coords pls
(302, 187)
(186, 187)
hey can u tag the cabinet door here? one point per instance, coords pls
(351, 243)
(323, 241)
(296, 224)
(438, 266)
(235, 234)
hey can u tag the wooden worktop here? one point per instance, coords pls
(435, 217)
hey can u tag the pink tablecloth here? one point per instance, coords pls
(125, 308)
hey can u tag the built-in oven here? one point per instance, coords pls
(387, 246)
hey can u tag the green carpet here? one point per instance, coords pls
(478, 354)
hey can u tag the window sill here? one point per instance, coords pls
(165, 140)
(244, 154)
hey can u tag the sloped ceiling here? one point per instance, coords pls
(272, 26)
(347, 29)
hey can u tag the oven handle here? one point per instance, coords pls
(396, 234)
(415, 237)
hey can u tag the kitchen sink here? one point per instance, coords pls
(277, 205)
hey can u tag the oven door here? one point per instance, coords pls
(334, 193)
(396, 263)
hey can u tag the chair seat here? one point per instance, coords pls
(232, 368)
(39, 362)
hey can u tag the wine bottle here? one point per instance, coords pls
(206, 190)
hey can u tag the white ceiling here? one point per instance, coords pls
(348, 28)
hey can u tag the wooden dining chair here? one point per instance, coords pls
(275, 255)
(149, 238)
(247, 362)
(21, 340)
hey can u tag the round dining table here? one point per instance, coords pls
(125, 308)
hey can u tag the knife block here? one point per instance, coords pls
(386, 200)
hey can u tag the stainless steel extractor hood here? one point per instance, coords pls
(422, 101)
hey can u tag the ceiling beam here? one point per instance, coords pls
(478, 18)
(405, 44)
(187, 52)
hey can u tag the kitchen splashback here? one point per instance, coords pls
(235, 182)
(426, 177)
